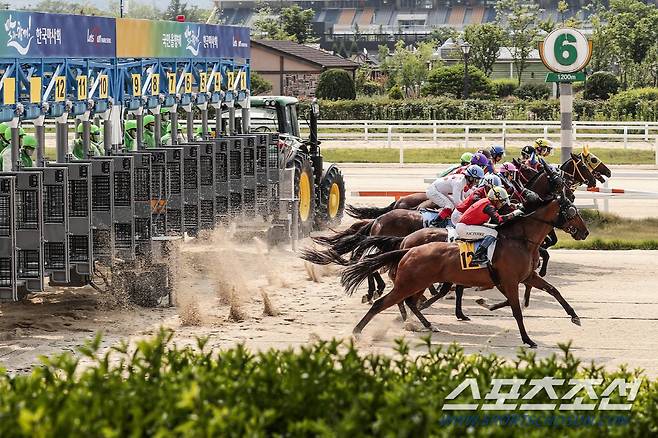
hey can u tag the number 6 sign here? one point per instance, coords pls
(565, 50)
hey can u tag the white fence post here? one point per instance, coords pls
(390, 136)
(365, 130)
(625, 137)
(646, 132)
(467, 130)
(546, 132)
(656, 150)
(434, 132)
(606, 205)
(574, 133)
(504, 134)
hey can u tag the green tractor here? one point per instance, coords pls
(319, 186)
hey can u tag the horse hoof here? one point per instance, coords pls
(530, 343)
(433, 329)
(526, 304)
(364, 299)
(575, 320)
(463, 318)
(356, 336)
(482, 302)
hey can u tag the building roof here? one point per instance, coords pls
(305, 53)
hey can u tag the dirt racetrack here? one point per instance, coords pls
(222, 288)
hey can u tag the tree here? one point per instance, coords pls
(177, 7)
(486, 40)
(335, 84)
(297, 22)
(521, 28)
(443, 33)
(290, 24)
(601, 85)
(407, 67)
(259, 85)
(64, 7)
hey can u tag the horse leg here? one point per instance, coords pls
(395, 296)
(432, 290)
(403, 311)
(381, 285)
(459, 293)
(543, 253)
(542, 284)
(511, 291)
(500, 305)
(445, 288)
(412, 302)
(526, 295)
(368, 297)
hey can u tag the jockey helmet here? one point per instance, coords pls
(508, 167)
(474, 172)
(543, 147)
(498, 194)
(479, 159)
(466, 158)
(497, 152)
(490, 181)
(527, 151)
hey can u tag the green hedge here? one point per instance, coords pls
(325, 389)
(632, 105)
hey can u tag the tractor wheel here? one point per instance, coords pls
(332, 199)
(304, 186)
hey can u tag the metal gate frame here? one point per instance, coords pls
(123, 199)
(80, 238)
(29, 232)
(56, 223)
(235, 187)
(102, 209)
(191, 183)
(262, 192)
(142, 196)
(171, 205)
(221, 181)
(248, 175)
(274, 169)
(207, 191)
(8, 290)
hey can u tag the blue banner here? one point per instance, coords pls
(32, 34)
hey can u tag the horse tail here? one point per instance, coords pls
(380, 243)
(354, 275)
(331, 240)
(368, 212)
(348, 243)
(326, 257)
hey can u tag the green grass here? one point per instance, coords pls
(451, 155)
(612, 232)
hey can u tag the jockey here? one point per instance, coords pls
(509, 171)
(497, 153)
(480, 159)
(489, 166)
(457, 168)
(471, 224)
(487, 183)
(448, 191)
(527, 152)
(541, 148)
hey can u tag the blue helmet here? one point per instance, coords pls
(497, 151)
(490, 181)
(479, 159)
(474, 171)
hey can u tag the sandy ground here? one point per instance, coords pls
(221, 289)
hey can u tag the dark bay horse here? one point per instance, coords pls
(408, 202)
(439, 262)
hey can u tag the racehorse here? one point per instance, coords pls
(439, 262)
(408, 202)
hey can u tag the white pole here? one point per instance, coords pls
(566, 120)
(467, 129)
(625, 137)
(606, 200)
(365, 130)
(656, 150)
(401, 153)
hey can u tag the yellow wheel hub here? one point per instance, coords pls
(304, 197)
(334, 200)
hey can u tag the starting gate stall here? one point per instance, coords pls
(59, 219)
(8, 288)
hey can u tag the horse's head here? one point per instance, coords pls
(569, 219)
(578, 172)
(595, 165)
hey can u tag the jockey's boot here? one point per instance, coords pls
(480, 256)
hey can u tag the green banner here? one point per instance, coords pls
(565, 77)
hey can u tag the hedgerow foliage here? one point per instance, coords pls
(328, 389)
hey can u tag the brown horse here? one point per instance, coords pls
(439, 263)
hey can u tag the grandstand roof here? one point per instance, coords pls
(306, 53)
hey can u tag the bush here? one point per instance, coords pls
(601, 85)
(532, 92)
(504, 87)
(259, 85)
(371, 88)
(324, 389)
(633, 103)
(450, 81)
(335, 84)
(395, 93)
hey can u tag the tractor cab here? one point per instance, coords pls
(320, 187)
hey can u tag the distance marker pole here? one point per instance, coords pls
(566, 120)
